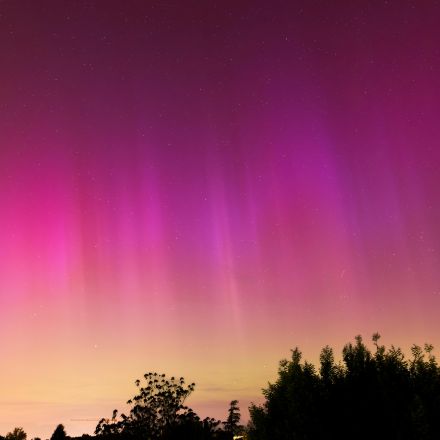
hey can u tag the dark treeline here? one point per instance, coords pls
(369, 394)
(375, 394)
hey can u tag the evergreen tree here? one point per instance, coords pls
(232, 422)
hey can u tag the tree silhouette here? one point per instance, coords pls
(232, 422)
(59, 433)
(16, 434)
(158, 412)
(368, 395)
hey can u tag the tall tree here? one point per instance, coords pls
(232, 422)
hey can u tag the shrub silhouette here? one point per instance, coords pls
(370, 395)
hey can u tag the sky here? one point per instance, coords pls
(197, 187)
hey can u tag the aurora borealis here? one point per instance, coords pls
(196, 187)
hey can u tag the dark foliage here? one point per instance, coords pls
(16, 434)
(158, 412)
(370, 395)
(231, 425)
(59, 433)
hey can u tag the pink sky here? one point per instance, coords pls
(196, 189)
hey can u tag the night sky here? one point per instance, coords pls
(196, 187)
